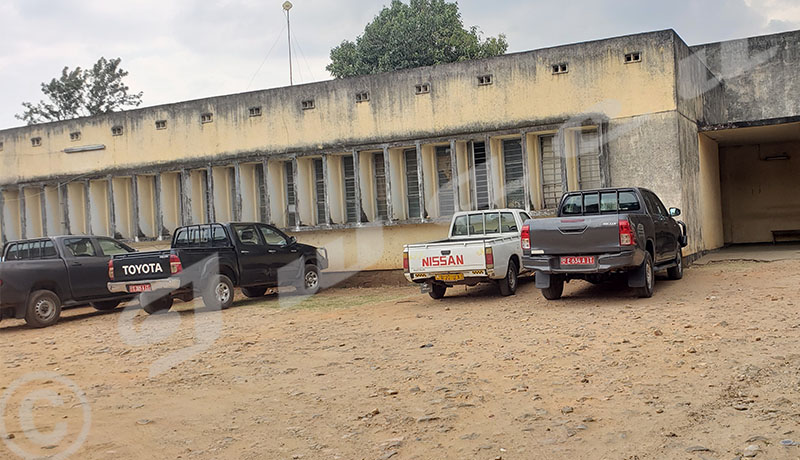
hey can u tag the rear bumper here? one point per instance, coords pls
(470, 277)
(603, 262)
(171, 284)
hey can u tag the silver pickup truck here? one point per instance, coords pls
(601, 233)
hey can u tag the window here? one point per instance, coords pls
(552, 182)
(572, 206)
(514, 174)
(75, 136)
(307, 104)
(161, 124)
(362, 96)
(201, 235)
(481, 175)
(412, 182)
(36, 141)
(589, 159)
(247, 235)
(255, 111)
(291, 206)
(608, 202)
(460, 226)
(560, 68)
(524, 216)
(444, 175)
(507, 223)
(633, 57)
(351, 207)
(628, 202)
(319, 191)
(491, 223)
(476, 224)
(379, 170)
(591, 203)
(110, 247)
(484, 80)
(272, 236)
(206, 118)
(654, 205)
(79, 247)
(43, 249)
(422, 88)
(1, 146)
(116, 130)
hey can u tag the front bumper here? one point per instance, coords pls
(604, 263)
(170, 284)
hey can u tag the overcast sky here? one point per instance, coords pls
(187, 49)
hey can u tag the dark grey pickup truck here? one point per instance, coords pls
(601, 233)
(39, 276)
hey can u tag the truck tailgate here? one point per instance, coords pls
(576, 235)
(142, 266)
(456, 256)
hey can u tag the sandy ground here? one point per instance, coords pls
(707, 368)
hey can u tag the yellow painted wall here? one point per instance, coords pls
(99, 212)
(11, 213)
(710, 194)
(33, 212)
(171, 200)
(53, 210)
(76, 198)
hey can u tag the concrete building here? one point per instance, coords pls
(363, 165)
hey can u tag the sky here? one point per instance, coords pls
(179, 50)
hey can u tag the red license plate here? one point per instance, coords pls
(139, 288)
(579, 260)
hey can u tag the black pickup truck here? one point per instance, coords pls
(209, 260)
(601, 233)
(39, 276)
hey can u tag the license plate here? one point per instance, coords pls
(139, 288)
(580, 260)
(450, 277)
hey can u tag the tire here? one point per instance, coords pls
(153, 304)
(218, 293)
(43, 309)
(508, 285)
(646, 291)
(437, 291)
(556, 288)
(310, 282)
(255, 291)
(106, 305)
(676, 272)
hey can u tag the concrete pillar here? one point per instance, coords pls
(454, 177)
(296, 186)
(87, 202)
(526, 168)
(387, 172)
(186, 198)
(489, 172)
(326, 181)
(23, 214)
(112, 211)
(265, 197)
(357, 185)
(137, 231)
(158, 209)
(237, 192)
(2, 218)
(64, 200)
(211, 214)
(423, 213)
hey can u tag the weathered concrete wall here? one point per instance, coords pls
(699, 93)
(759, 196)
(761, 75)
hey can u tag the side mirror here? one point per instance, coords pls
(674, 212)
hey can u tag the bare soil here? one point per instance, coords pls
(707, 367)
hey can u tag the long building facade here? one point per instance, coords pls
(366, 164)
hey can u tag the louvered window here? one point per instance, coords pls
(444, 174)
(514, 175)
(319, 191)
(351, 207)
(552, 184)
(380, 186)
(412, 182)
(481, 175)
(291, 203)
(589, 159)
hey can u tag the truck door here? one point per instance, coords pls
(660, 227)
(285, 257)
(87, 268)
(252, 255)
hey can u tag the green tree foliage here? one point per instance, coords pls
(402, 36)
(82, 92)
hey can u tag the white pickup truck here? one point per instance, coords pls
(481, 246)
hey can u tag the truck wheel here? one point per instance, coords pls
(218, 293)
(649, 278)
(153, 304)
(255, 291)
(556, 288)
(309, 285)
(676, 272)
(437, 291)
(508, 285)
(107, 305)
(43, 309)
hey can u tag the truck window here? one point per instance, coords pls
(12, 253)
(524, 216)
(272, 237)
(476, 224)
(608, 202)
(460, 226)
(628, 202)
(246, 234)
(111, 247)
(181, 238)
(492, 223)
(507, 222)
(572, 206)
(591, 203)
(219, 237)
(79, 247)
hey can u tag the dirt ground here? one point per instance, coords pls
(707, 368)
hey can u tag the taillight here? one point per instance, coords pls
(525, 237)
(405, 261)
(111, 269)
(489, 258)
(175, 265)
(626, 237)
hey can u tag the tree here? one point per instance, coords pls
(402, 36)
(80, 92)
